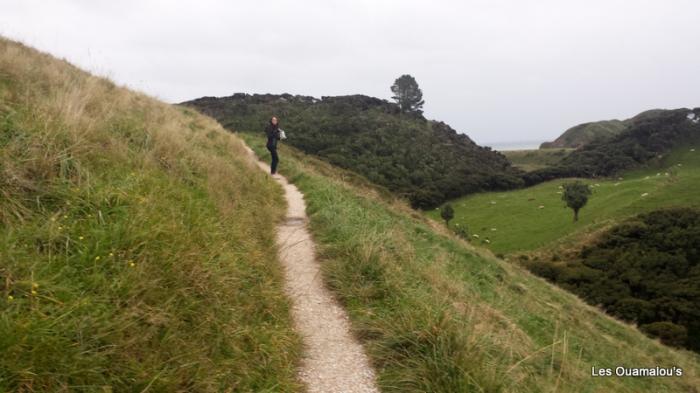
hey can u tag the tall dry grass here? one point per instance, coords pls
(136, 243)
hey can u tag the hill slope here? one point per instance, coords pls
(136, 243)
(535, 217)
(424, 161)
(647, 139)
(645, 270)
(535, 159)
(585, 133)
(582, 134)
(437, 315)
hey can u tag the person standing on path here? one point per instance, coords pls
(273, 135)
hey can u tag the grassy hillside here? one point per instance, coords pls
(648, 138)
(585, 133)
(136, 243)
(535, 217)
(582, 134)
(424, 161)
(531, 160)
(437, 315)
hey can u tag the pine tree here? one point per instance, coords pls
(407, 94)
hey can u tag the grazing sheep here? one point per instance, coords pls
(645, 194)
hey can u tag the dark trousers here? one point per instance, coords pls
(275, 158)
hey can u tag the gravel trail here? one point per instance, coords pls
(333, 361)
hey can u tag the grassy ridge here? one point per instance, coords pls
(438, 316)
(535, 217)
(136, 243)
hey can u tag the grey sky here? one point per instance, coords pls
(498, 70)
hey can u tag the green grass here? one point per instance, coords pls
(437, 315)
(530, 160)
(136, 243)
(514, 222)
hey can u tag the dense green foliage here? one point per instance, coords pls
(645, 270)
(424, 161)
(407, 94)
(646, 139)
(576, 196)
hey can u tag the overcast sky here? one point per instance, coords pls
(498, 70)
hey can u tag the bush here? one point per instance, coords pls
(669, 333)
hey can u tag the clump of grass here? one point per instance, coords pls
(437, 315)
(136, 243)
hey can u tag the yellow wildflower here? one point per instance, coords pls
(97, 258)
(10, 298)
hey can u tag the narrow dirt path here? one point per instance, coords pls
(333, 360)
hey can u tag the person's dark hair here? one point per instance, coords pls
(273, 124)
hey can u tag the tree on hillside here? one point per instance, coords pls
(576, 196)
(407, 94)
(447, 213)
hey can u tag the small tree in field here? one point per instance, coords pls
(447, 213)
(576, 196)
(407, 94)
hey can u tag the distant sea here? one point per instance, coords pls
(521, 145)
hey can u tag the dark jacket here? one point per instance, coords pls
(273, 135)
